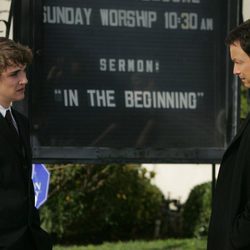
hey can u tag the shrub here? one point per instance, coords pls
(95, 203)
(197, 210)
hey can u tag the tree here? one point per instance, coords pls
(93, 203)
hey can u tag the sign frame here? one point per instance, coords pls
(32, 36)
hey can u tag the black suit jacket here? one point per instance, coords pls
(17, 211)
(229, 227)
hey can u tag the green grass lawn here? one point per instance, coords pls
(171, 244)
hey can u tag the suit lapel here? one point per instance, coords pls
(238, 135)
(22, 133)
(8, 135)
(241, 129)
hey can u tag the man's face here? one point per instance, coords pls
(12, 84)
(241, 62)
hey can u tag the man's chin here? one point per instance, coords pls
(19, 98)
(246, 84)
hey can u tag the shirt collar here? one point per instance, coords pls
(3, 110)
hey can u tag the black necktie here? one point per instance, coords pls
(14, 131)
(9, 120)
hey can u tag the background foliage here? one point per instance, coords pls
(96, 203)
(244, 102)
(197, 210)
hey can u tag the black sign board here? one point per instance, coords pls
(134, 80)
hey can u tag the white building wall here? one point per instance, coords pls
(4, 15)
(176, 180)
(246, 9)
